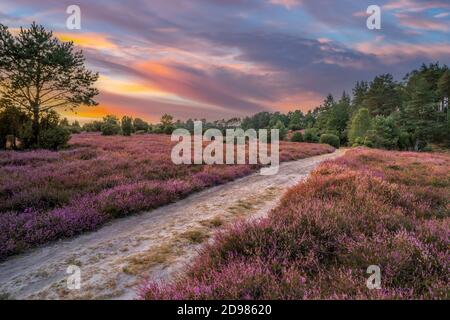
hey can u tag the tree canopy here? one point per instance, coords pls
(39, 73)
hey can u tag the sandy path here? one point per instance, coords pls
(156, 244)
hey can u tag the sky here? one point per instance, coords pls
(219, 59)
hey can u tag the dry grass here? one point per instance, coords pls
(163, 254)
(215, 222)
(195, 236)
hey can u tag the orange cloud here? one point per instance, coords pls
(88, 113)
(123, 110)
(127, 86)
(170, 79)
(304, 101)
(88, 40)
(149, 90)
(158, 69)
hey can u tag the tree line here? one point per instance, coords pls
(382, 113)
(40, 74)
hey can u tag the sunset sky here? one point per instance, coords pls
(224, 58)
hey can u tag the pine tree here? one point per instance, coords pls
(444, 95)
(39, 73)
(296, 120)
(419, 112)
(444, 89)
(345, 99)
(329, 102)
(383, 96)
(359, 94)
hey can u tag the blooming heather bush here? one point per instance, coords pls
(47, 195)
(367, 208)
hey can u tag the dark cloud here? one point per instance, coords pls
(223, 53)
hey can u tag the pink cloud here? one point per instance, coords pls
(421, 24)
(415, 6)
(286, 3)
(360, 14)
(324, 40)
(399, 52)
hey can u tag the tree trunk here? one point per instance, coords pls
(416, 145)
(2, 142)
(36, 126)
(14, 144)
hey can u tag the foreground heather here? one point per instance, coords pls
(47, 195)
(367, 208)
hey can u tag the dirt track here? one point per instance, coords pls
(155, 244)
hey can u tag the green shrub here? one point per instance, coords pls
(166, 125)
(12, 122)
(297, 137)
(311, 135)
(282, 130)
(26, 136)
(52, 135)
(140, 125)
(54, 138)
(127, 126)
(168, 129)
(110, 126)
(404, 141)
(95, 126)
(110, 129)
(359, 142)
(427, 148)
(75, 128)
(369, 142)
(157, 129)
(384, 134)
(360, 124)
(330, 139)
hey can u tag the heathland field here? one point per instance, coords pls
(369, 207)
(47, 195)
